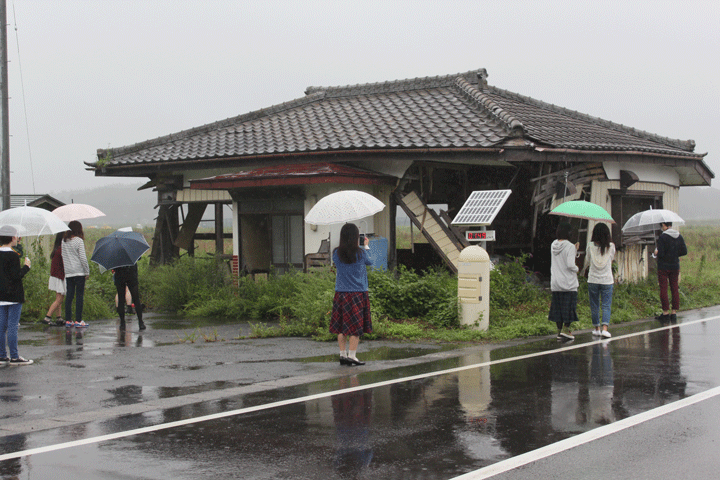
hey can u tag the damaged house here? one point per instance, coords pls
(410, 143)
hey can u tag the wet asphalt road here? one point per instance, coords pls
(487, 406)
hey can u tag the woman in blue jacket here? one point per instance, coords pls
(351, 305)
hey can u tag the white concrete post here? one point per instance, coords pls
(474, 287)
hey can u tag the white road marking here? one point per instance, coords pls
(589, 436)
(267, 406)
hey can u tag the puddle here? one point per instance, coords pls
(33, 342)
(194, 323)
(167, 392)
(186, 368)
(383, 353)
(131, 394)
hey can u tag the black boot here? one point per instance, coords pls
(122, 325)
(139, 312)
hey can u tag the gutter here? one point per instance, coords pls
(697, 157)
(356, 152)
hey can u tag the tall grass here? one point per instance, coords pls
(99, 300)
(405, 304)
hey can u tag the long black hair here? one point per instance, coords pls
(349, 249)
(601, 237)
(58, 242)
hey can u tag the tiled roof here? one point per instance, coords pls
(562, 128)
(454, 111)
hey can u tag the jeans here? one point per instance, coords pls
(600, 295)
(9, 323)
(75, 286)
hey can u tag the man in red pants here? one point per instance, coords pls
(670, 247)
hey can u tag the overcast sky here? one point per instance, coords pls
(110, 73)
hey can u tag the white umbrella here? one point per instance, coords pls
(77, 211)
(649, 220)
(344, 206)
(34, 221)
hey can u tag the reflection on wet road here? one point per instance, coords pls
(481, 409)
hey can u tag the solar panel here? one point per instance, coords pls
(481, 207)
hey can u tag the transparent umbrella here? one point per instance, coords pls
(34, 221)
(650, 220)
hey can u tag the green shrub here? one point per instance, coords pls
(404, 294)
(181, 283)
(308, 308)
(509, 284)
(35, 283)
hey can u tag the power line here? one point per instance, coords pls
(22, 86)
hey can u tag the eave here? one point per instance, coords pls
(296, 174)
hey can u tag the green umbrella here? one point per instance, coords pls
(582, 209)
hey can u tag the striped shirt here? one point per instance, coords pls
(75, 258)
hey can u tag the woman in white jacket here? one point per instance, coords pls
(600, 254)
(563, 282)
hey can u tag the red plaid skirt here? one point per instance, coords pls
(351, 314)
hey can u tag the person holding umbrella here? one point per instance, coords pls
(77, 270)
(120, 252)
(563, 282)
(351, 305)
(127, 278)
(12, 295)
(670, 247)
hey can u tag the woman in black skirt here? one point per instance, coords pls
(563, 282)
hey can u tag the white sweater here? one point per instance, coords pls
(600, 265)
(75, 258)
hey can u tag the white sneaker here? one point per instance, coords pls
(596, 332)
(606, 334)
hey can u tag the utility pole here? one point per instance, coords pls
(4, 117)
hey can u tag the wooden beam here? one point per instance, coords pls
(189, 226)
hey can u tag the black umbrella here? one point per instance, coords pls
(119, 249)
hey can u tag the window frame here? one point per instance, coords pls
(621, 216)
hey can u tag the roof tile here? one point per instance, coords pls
(454, 110)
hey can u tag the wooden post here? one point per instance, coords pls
(186, 238)
(166, 230)
(219, 230)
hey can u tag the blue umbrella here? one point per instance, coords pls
(119, 249)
